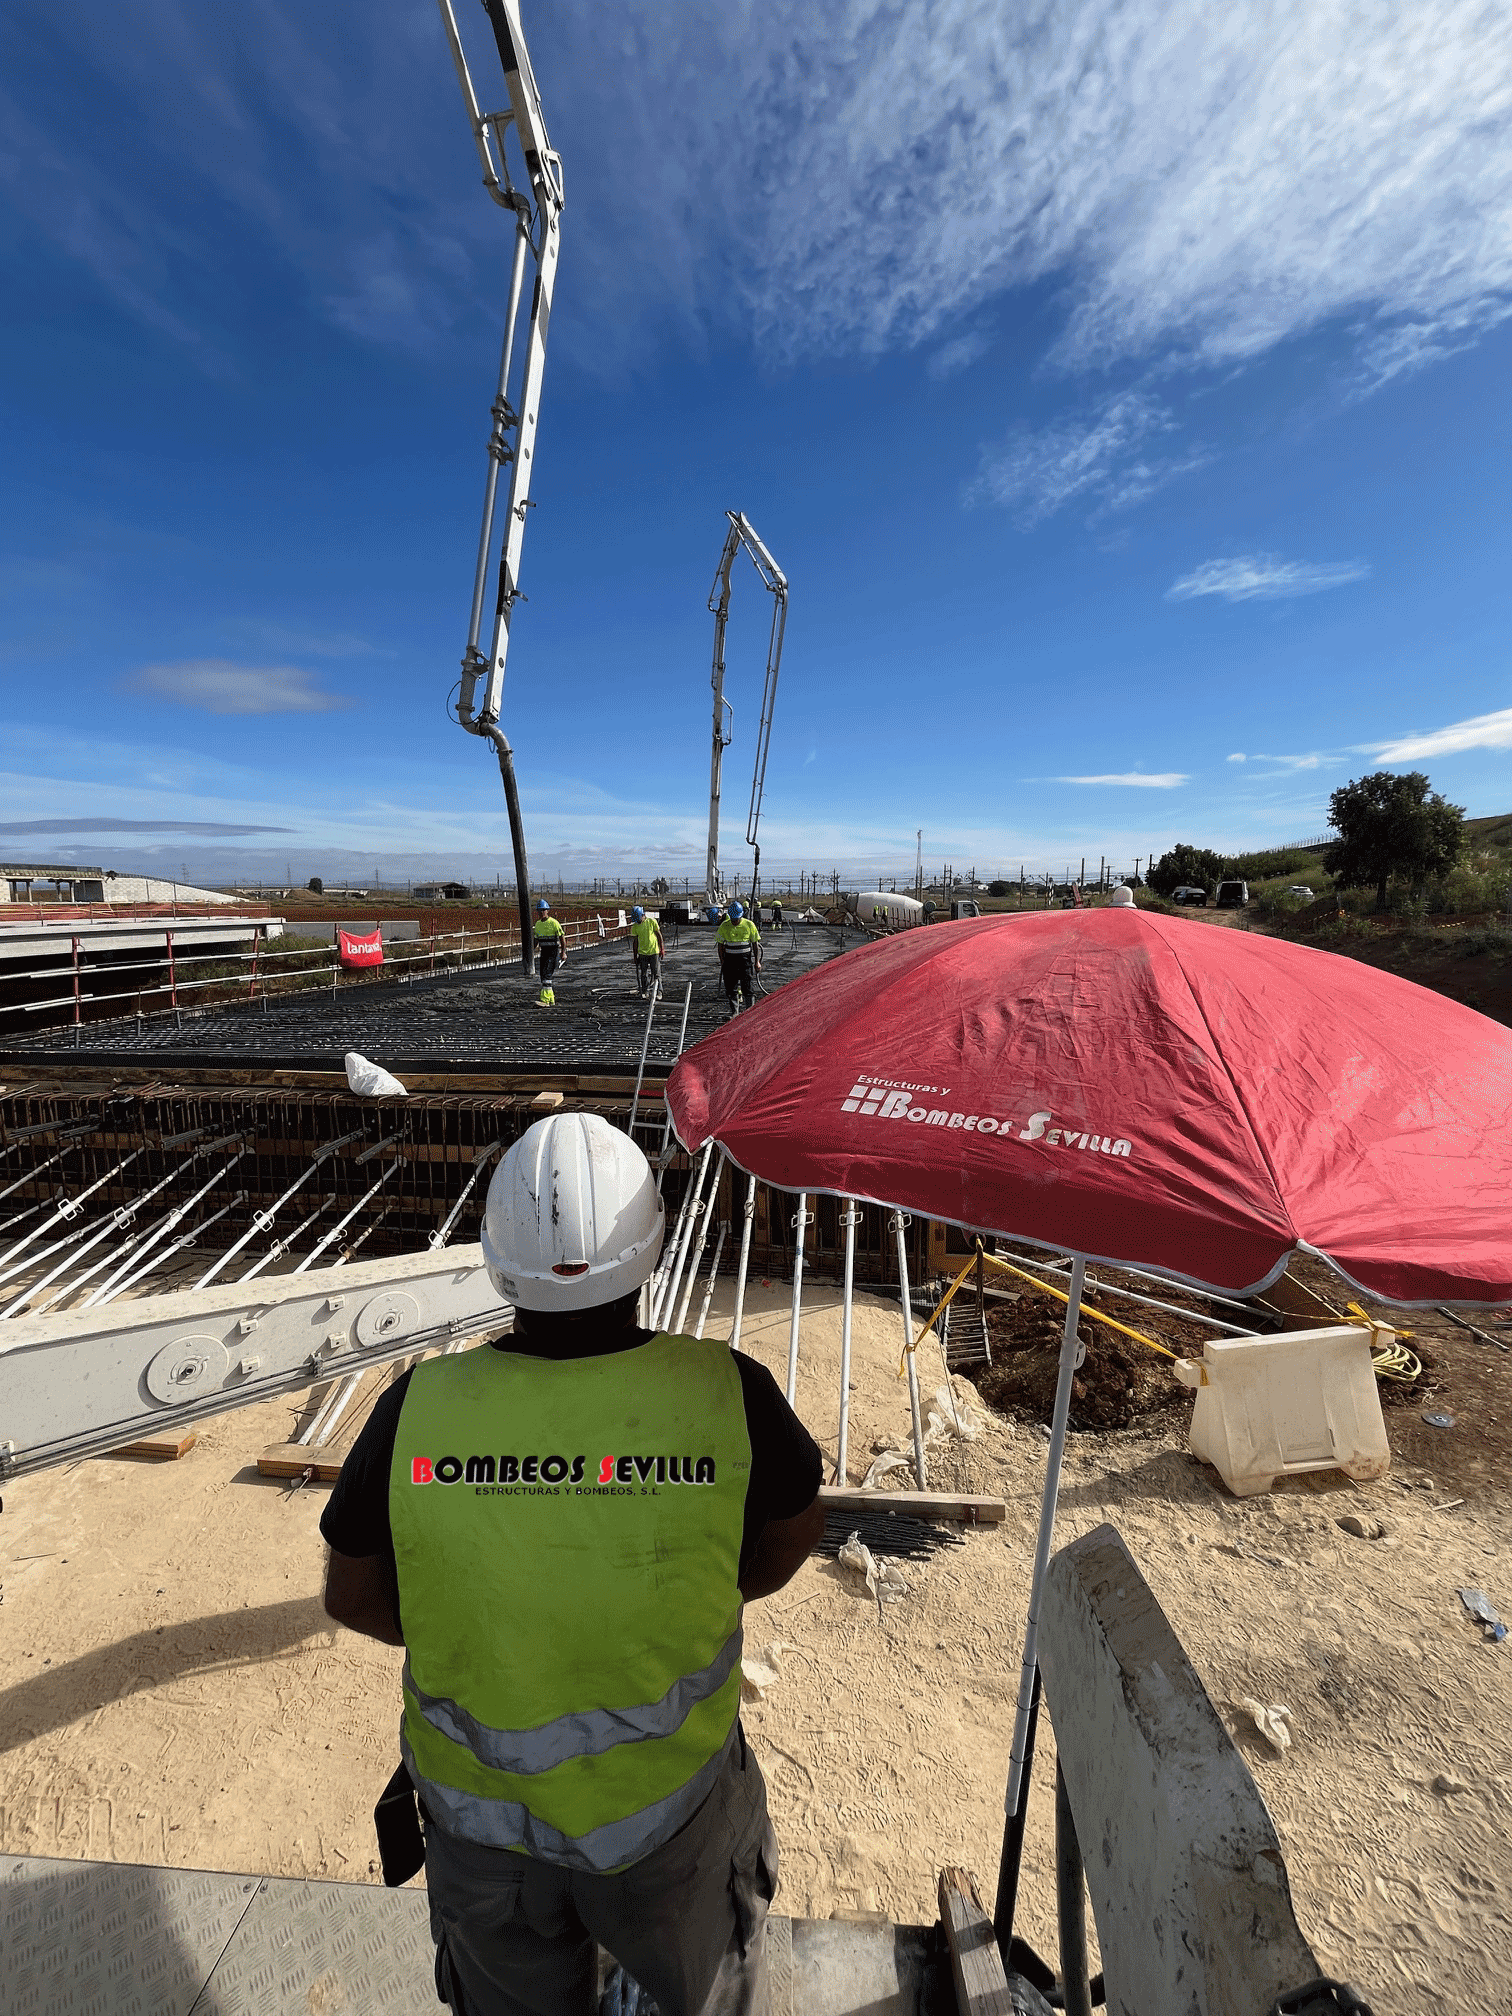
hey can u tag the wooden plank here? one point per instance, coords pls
(160, 1448)
(293, 1459)
(917, 1504)
(976, 1965)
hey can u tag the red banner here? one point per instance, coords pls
(364, 951)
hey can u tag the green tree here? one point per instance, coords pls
(315, 886)
(1185, 866)
(999, 888)
(1392, 825)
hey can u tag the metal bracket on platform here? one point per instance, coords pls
(94, 1379)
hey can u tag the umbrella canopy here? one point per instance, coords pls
(1134, 1087)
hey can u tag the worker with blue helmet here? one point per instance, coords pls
(739, 944)
(646, 944)
(551, 952)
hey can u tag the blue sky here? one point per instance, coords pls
(1121, 387)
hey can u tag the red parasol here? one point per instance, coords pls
(1138, 1088)
(1130, 1087)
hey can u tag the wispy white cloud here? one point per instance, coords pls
(1265, 577)
(1207, 180)
(1481, 731)
(957, 355)
(220, 687)
(857, 177)
(1311, 759)
(1162, 780)
(1238, 757)
(1105, 458)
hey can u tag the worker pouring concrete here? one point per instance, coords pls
(569, 1594)
(551, 952)
(646, 942)
(739, 944)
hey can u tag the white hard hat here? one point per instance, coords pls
(1122, 896)
(573, 1219)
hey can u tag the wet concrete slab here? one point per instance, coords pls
(471, 1020)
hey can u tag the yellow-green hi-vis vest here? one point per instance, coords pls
(567, 1537)
(647, 937)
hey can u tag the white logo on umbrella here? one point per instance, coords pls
(892, 1100)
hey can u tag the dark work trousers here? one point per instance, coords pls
(516, 1937)
(737, 968)
(647, 970)
(548, 958)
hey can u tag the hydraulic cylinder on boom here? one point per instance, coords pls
(511, 443)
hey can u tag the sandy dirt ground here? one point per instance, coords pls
(173, 1692)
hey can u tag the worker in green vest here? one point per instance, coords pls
(551, 952)
(646, 942)
(739, 944)
(561, 1528)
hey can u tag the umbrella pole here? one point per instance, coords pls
(690, 1280)
(899, 1226)
(799, 1222)
(1070, 1350)
(708, 1295)
(848, 1218)
(745, 1261)
(681, 1237)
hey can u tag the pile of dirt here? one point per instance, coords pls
(1119, 1383)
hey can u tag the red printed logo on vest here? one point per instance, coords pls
(606, 1470)
(420, 1470)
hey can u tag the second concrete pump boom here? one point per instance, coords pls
(742, 533)
(512, 441)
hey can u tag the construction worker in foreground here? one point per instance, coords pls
(646, 940)
(561, 1528)
(551, 952)
(739, 944)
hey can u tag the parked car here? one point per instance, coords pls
(1302, 893)
(1232, 895)
(1187, 894)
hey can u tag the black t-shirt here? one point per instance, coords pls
(786, 1467)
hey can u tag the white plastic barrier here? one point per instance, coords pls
(1270, 1407)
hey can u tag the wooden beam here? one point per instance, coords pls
(976, 1965)
(293, 1459)
(160, 1448)
(916, 1504)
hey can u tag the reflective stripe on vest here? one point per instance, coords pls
(571, 1612)
(500, 1823)
(587, 1733)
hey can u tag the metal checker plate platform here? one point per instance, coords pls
(122, 1939)
(117, 1939)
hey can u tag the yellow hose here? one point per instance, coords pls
(1060, 1295)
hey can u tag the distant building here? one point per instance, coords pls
(441, 892)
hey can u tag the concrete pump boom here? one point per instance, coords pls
(742, 533)
(512, 441)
